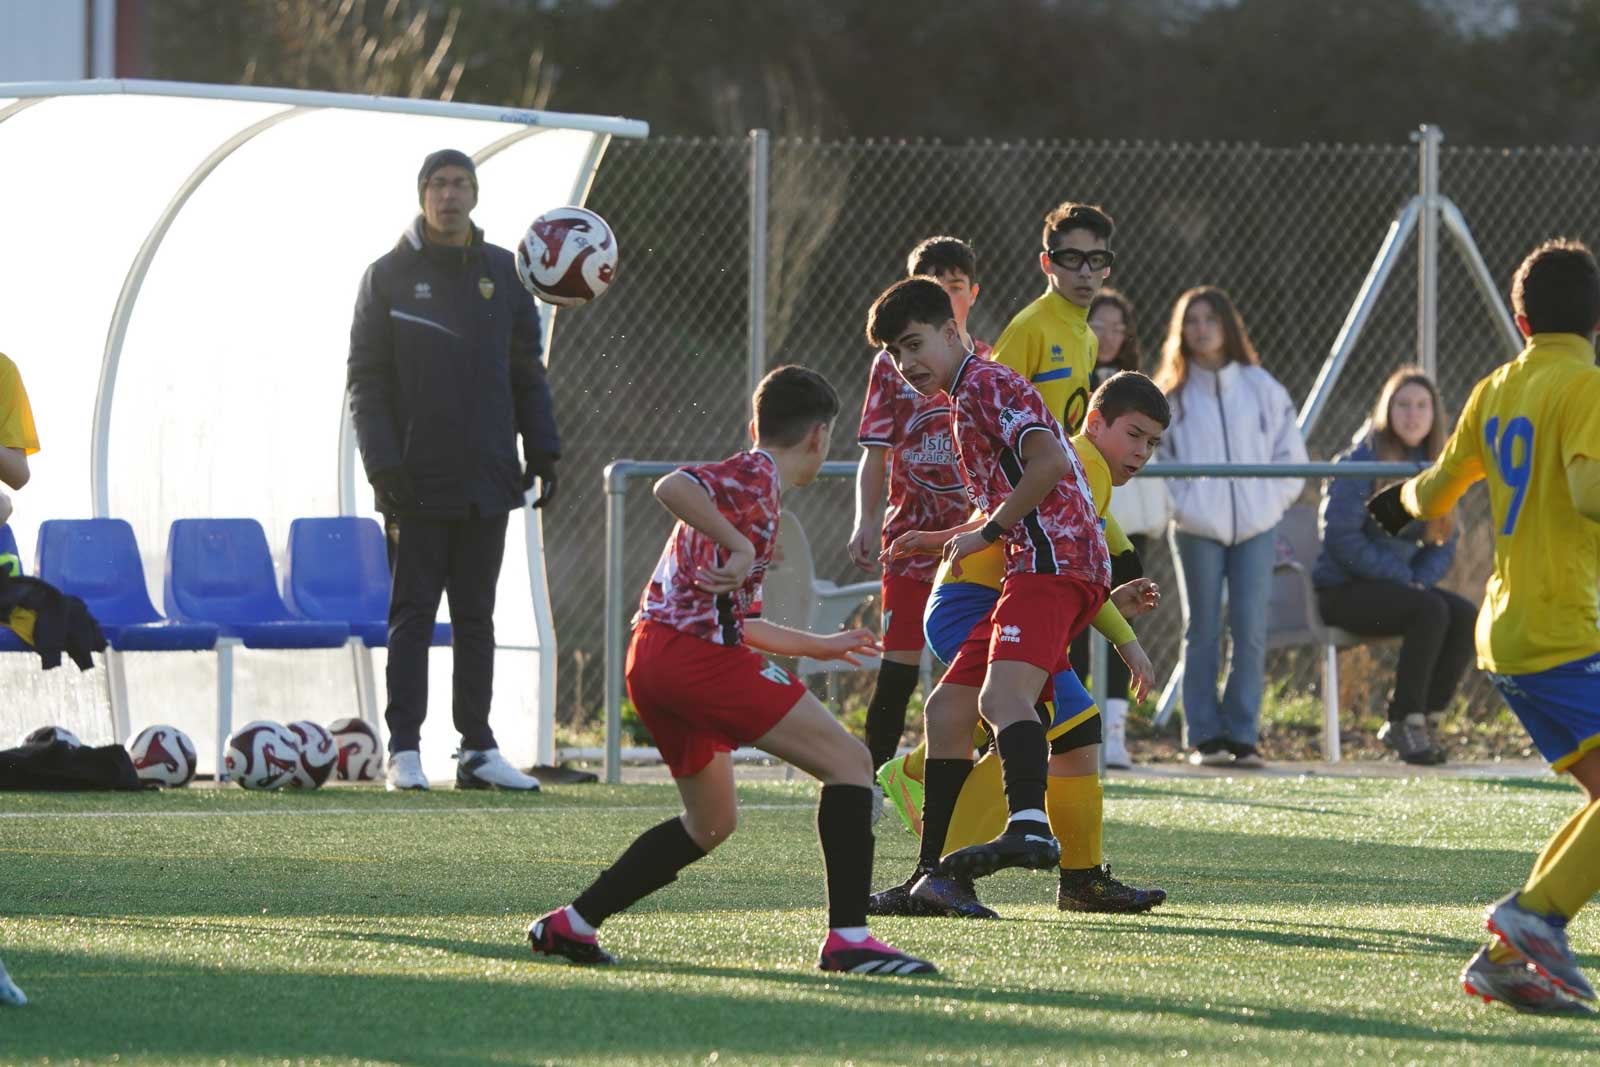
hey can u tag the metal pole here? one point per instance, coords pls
(1429, 138)
(1099, 654)
(760, 179)
(1455, 225)
(616, 476)
(1366, 299)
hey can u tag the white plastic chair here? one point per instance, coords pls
(792, 595)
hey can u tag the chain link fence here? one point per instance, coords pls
(658, 369)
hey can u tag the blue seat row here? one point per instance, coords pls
(220, 582)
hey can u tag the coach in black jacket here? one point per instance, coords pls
(444, 375)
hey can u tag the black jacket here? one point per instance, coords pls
(61, 623)
(445, 373)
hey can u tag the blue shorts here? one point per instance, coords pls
(1560, 708)
(954, 608)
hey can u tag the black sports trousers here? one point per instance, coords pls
(1435, 627)
(458, 558)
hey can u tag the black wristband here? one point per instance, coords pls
(991, 532)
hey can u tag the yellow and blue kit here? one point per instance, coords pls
(957, 604)
(1538, 633)
(1050, 344)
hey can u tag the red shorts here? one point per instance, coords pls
(1034, 621)
(904, 599)
(698, 698)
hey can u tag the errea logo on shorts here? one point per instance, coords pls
(775, 674)
(1011, 633)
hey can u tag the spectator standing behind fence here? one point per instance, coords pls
(1376, 585)
(18, 438)
(1141, 501)
(1225, 409)
(444, 375)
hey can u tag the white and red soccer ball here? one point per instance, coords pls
(359, 754)
(262, 755)
(568, 257)
(317, 755)
(163, 754)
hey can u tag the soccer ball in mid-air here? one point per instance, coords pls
(568, 256)
(360, 759)
(262, 755)
(163, 754)
(48, 735)
(317, 755)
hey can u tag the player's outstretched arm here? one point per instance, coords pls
(14, 467)
(927, 542)
(871, 477)
(1140, 670)
(848, 645)
(689, 503)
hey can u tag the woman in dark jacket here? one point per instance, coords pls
(1375, 585)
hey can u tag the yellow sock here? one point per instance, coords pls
(1568, 873)
(914, 761)
(1076, 807)
(1500, 952)
(981, 811)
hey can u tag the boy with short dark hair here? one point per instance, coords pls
(1029, 489)
(905, 443)
(1532, 430)
(702, 690)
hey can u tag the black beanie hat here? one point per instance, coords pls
(445, 157)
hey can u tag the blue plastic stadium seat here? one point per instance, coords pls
(97, 560)
(220, 571)
(10, 642)
(338, 569)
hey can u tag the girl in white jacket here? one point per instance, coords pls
(1225, 409)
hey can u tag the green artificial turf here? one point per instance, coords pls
(1312, 919)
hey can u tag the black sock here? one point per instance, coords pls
(886, 712)
(652, 861)
(1024, 765)
(942, 780)
(844, 826)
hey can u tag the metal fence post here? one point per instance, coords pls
(616, 477)
(760, 181)
(1428, 137)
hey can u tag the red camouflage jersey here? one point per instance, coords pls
(993, 408)
(925, 488)
(745, 490)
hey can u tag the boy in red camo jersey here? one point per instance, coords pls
(905, 442)
(1030, 488)
(702, 690)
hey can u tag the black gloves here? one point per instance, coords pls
(1387, 511)
(394, 491)
(541, 465)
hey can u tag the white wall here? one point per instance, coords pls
(43, 40)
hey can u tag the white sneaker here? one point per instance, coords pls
(487, 769)
(9, 993)
(1115, 720)
(405, 771)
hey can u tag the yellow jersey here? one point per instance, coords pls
(1050, 344)
(1519, 430)
(16, 415)
(987, 567)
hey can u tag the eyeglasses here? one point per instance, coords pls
(1074, 259)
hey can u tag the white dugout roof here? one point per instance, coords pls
(180, 268)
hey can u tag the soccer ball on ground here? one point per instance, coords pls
(568, 256)
(163, 754)
(360, 758)
(261, 755)
(317, 755)
(46, 735)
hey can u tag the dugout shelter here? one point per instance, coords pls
(178, 277)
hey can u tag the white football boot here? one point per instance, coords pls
(487, 769)
(9, 993)
(405, 771)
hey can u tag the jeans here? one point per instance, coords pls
(1436, 630)
(1247, 569)
(459, 558)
